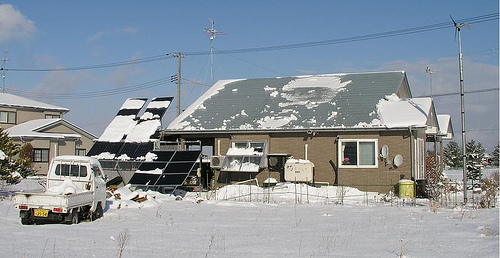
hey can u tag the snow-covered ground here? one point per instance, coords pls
(247, 221)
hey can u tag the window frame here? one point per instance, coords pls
(8, 116)
(78, 150)
(358, 156)
(52, 116)
(41, 155)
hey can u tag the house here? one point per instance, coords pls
(43, 126)
(361, 129)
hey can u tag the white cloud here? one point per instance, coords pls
(13, 24)
(96, 36)
(130, 30)
(57, 82)
(123, 76)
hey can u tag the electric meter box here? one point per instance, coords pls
(299, 170)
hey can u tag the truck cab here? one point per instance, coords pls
(75, 189)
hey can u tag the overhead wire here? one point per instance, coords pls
(457, 93)
(155, 83)
(413, 30)
(92, 94)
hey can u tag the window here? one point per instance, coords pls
(48, 116)
(7, 117)
(71, 170)
(245, 156)
(80, 152)
(40, 155)
(358, 153)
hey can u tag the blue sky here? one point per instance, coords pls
(43, 35)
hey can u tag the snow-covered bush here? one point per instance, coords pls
(15, 161)
(489, 187)
(494, 157)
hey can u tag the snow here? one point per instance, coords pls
(242, 152)
(132, 104)
(150, 157)
(119, 126)
(395, 112)
(237, 165)
(7, 99)
(3, 156)
(198, 104)
(156, 171)
(65, 188)
(34, 128)
(105, 155)
(275, 121)
(159, 104)
(143, 131)
(248, 221)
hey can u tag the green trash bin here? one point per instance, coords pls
(406, 188)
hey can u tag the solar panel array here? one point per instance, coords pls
(129, 136)
(169, 169)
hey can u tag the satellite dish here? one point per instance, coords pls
(398, 160)
(384, 152)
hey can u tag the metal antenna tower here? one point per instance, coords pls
(212, 32)
(430, 72)
(458, 26)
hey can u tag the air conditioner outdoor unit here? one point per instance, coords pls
(216, 161)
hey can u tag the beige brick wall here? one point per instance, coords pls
(322, 148)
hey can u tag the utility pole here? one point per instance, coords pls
(458, 26)
(179, 58)
(4, 67)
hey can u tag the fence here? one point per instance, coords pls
(295, 193)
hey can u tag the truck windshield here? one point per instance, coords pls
(71, 170)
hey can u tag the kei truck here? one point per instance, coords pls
(75, 190)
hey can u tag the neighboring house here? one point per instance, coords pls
(363, 129)
(16, 110)
(42, 125)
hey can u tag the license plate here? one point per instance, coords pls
(41, 213)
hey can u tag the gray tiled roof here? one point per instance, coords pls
(316, 101)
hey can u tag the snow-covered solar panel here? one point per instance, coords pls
(149, 122)
(124, 122)
(128, 136)
(97, 148)
(169, 168)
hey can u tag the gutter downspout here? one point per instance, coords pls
(411, 152)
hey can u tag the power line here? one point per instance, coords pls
(92, 94)
(457, 93)
(99, 66)
(413, 30)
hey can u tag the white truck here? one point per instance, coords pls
(75, 189)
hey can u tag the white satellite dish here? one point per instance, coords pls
(384, 151)
(398, 160)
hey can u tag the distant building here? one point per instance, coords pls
(363, 129)
(42, 125)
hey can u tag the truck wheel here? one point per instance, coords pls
(26, 221)
(75, 217)
(97, 213)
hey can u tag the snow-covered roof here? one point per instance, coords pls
(445, 127)
(10, 100)
(395, 112)
(36, 129)
(300, 102)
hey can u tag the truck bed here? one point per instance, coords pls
(48, 200)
